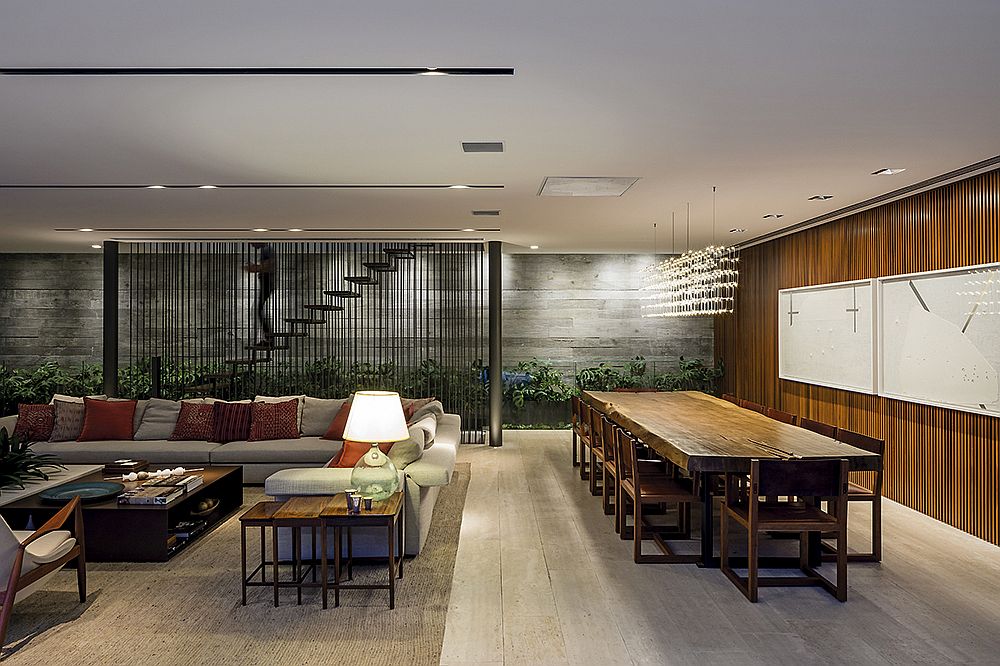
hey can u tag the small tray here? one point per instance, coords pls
(89, 491)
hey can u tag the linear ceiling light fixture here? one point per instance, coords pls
(257, 71)
(253, 186)
(820, 197)
(888, 171)
(482, 146)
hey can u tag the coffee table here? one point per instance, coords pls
(138, 533)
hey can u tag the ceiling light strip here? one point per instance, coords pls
(256, 71)
(962, 173)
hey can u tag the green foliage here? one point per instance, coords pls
(18, 463)
(544, 384)
(600, 378)
(691, 375)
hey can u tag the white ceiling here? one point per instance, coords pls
(772, 102)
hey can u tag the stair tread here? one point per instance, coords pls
(380, 266)
(324, 307)
(342, 293)
(364, 280)
(289, 334)
(304, 320)
(399, 253)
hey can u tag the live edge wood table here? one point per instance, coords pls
(701, 433)
(139, 533)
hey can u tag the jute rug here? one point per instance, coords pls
(187, 611)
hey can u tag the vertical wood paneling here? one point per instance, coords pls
(939, 461)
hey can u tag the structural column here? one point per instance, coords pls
(111, 318)
(496, 344)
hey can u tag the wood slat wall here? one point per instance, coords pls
(942, 462)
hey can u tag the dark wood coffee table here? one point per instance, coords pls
(139, 533)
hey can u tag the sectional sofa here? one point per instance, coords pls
(289, 467)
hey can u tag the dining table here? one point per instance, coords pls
(703, 434)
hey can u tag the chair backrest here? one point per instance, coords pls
(729, 397)
(574, 402)
(595, 428)
(856, 439)
(753, 406)
(625, 448)
(778, 415)
(819, 427)
(608, 435)
(9, 544)
(799, 478)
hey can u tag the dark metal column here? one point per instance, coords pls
(111, 318)
(496, 345)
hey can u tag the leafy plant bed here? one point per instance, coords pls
(537, 412)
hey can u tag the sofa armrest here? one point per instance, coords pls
(9, 422)
(311, 481)
(436, 465)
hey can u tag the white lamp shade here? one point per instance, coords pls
(376, 417)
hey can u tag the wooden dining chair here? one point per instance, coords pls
(584, 439)
(30, 558)
(609, 468)
(642, 483)
(576, 427)
(818, 427)
(729, 397)
(778, 415)
(596, 452)
(858, 493)
(811, 479)
(752, 406)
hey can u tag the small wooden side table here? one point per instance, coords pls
(388, 514)
(296, 513)
(260, 515)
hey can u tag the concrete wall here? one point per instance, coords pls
(572, 310)
(577, 310)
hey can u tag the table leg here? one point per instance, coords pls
(263, 555)
(323, 569)
(336, 567)
(243, 560)
(297, 545)
(274, 562)
(314, 553)
(401, 531)
(707, 526)
(350, 554)
(392, 565)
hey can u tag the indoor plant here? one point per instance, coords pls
(18, 463)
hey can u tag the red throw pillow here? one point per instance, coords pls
(336, 429)
(194, 423)
(230, 421)
(354, 451)
(106, 419)
(34, 422)
(274, 420)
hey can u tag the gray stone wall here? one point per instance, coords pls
(578, 310)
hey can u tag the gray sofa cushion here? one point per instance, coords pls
(438, 461)
(105, 452)
(318, 414)
(409, 450)
(291, 451)
(158, 420)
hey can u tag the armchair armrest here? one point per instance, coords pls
(58, 521)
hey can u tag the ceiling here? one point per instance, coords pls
(770, 102)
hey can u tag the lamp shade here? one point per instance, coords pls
(376, 416)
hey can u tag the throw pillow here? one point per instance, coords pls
(230, 421)
(318, 414)
(158, 420)
(34, 422)
(68, 421)
(336, 429)
(194, 423)
(433, 407)
(353, 452)
(428, 427)
(274, 420)
(300, 401)
(107, 420)
(409, 450)
(411, 405)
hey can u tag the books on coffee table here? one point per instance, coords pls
(151, 495)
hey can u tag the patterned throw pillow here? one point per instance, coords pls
(34, 422)
(231, 421)
(275, 420)
(194, 423)
(68, 422)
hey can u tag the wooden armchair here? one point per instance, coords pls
(577, 427)
(583, 433)
(819, 427)
(811, 479)
(858, 493)
(596, 452)
(32, 557)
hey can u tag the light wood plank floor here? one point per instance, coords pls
(541, 578)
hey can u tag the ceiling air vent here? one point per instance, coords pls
(482, 146)
(585, 186)
(493, 213)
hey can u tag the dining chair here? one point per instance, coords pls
(642, 483)
(31, 558)
(778, 415)
(596, 451)
(609, 468)
(729, 397)
(576, 427)
(858, 493)
(810, 479)
(752, 406)
(819, 427)
(584, 438)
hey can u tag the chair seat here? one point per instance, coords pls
(787, 516)
(855, 489)
(47, 548)
(659, 488)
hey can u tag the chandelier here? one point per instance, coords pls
(697, 283)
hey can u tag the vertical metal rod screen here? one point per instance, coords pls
(342, 316)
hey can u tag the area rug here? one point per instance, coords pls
(187, 611)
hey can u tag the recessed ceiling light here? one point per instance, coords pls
(737, 230)
(533, 247)
(433, 71)
(96, 247)
(774, 215)
(295, 230)
(206, 187)
(468, 230)
(85, 229)
(887, 171)
(259, 229)
(156, 187)
(458, 187)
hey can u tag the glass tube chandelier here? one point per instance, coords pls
(696, 283)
